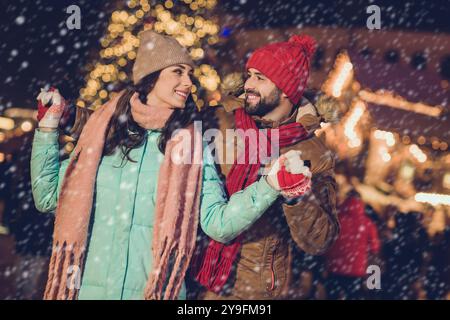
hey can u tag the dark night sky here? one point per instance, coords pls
(35, 50)
(42, 51)
(411, 15)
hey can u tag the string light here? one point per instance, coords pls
(418, 153)
(26, 126)
(352, 121)
(386, 136)
(433, 198)
(389, 99)
(384, 153)
(340, 76)
(6, 123)
(20, 113)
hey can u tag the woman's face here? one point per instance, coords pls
(172, 88)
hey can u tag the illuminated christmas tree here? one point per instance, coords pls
(189, 21)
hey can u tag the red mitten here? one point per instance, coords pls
(293, 185)
(52, 109)
(289, 175)
(44, 102)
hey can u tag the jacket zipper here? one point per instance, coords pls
(272, 287)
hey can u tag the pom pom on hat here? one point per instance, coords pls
(305, 41)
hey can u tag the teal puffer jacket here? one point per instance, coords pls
(119, 256)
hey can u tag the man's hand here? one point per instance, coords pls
(289, 175)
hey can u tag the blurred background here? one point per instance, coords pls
(391, 144)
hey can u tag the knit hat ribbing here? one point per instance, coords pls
(156, 52)
(286, 64)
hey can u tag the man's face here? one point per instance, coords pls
(261, 94)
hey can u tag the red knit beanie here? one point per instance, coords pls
(286, 64)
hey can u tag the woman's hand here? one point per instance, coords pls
(51, 109)
(289, 175)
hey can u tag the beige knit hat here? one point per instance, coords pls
(157, 52)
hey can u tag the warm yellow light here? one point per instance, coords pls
(106, 77)
(131, 55)
(20, 113)
(122, 62)
(343, 75)
(352, 121)
(139, 14)
(198, 22)
(433, 198)
(172, 27)
(6, 123)
(69, 147)
(146, 8)
(132, 20)
(103, 94)
(115, 16)
(446, 181)
(389, 99)
(190, 21)
(385, 135)
(123, 15)
(417, 153)
(164, 16)
(168, 4)
(122, 76)
(26, 126)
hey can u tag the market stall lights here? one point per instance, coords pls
(342, 77)
(433, 198)
(418, 153)
(446, 181)
(388, 99)
(350, 124)
(385, 135)
(26, 126)
(20, 113)
(6, 123)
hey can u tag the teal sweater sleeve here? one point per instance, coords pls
(223, 219)
(46, 170)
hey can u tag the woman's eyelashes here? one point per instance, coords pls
(180, 72)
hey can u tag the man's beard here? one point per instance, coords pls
(265, 105)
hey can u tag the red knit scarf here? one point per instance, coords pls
(214, 265)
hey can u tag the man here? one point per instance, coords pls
(262, 262)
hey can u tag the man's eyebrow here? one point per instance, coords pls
(256, 73)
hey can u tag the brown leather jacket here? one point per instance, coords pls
(268, 263)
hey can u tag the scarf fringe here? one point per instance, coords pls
(64, 256)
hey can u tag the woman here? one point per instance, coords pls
(126, 213)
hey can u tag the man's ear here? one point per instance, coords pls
(284, 96)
